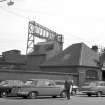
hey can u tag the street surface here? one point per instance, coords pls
(75, 100)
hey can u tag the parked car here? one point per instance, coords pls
(60, 83)
(39, 87)
(6, 87)
(93, 88)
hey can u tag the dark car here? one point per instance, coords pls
(93, 88)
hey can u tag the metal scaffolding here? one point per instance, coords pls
(39, 31)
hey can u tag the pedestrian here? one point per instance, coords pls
(68, 86)
(71, 87)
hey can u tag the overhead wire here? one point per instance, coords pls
(80, 39)
(34, 11)
(22, 16)
(14, 13)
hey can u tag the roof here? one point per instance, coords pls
(36, 79)
(78, 54)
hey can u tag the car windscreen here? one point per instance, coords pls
(89, 84)
(59, 83)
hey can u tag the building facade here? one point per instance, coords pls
(78, 59)
(78, 62)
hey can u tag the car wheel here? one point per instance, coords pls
(24, 97)
(89, 95)
(99, 94)
(32, 95)
(4, 94)
(63, 94)
(54, 96)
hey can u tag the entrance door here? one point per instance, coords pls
(103, 75)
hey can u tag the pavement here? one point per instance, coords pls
(78, 99)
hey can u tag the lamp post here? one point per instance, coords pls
(9, 3)
(2, 0)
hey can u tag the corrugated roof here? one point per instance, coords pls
(77, 54)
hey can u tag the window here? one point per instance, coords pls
(44, 83)
(101, 84)
(59, 83)
(51, 83)
(91, 75)
(41, 83)
(49, 47)
(31, 82)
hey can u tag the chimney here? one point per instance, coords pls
(95, 48)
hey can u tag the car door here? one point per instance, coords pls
(47, 88)
(41, 88)
(103, 88)
(52, 89)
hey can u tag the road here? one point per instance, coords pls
(75, 100)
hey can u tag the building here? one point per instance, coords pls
(78, 62)
(12, 60)
(43, 51)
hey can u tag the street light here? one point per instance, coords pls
(9, 3)
(2, 0)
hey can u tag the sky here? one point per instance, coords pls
(77, 20)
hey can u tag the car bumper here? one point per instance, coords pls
(89, 92)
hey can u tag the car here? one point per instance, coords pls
(60, 83)
(93, 88)
(6, 87)
(39, 87)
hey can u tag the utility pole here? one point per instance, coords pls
(39, 31)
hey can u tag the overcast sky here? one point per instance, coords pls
(77, 20)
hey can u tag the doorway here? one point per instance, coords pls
(103, 75)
